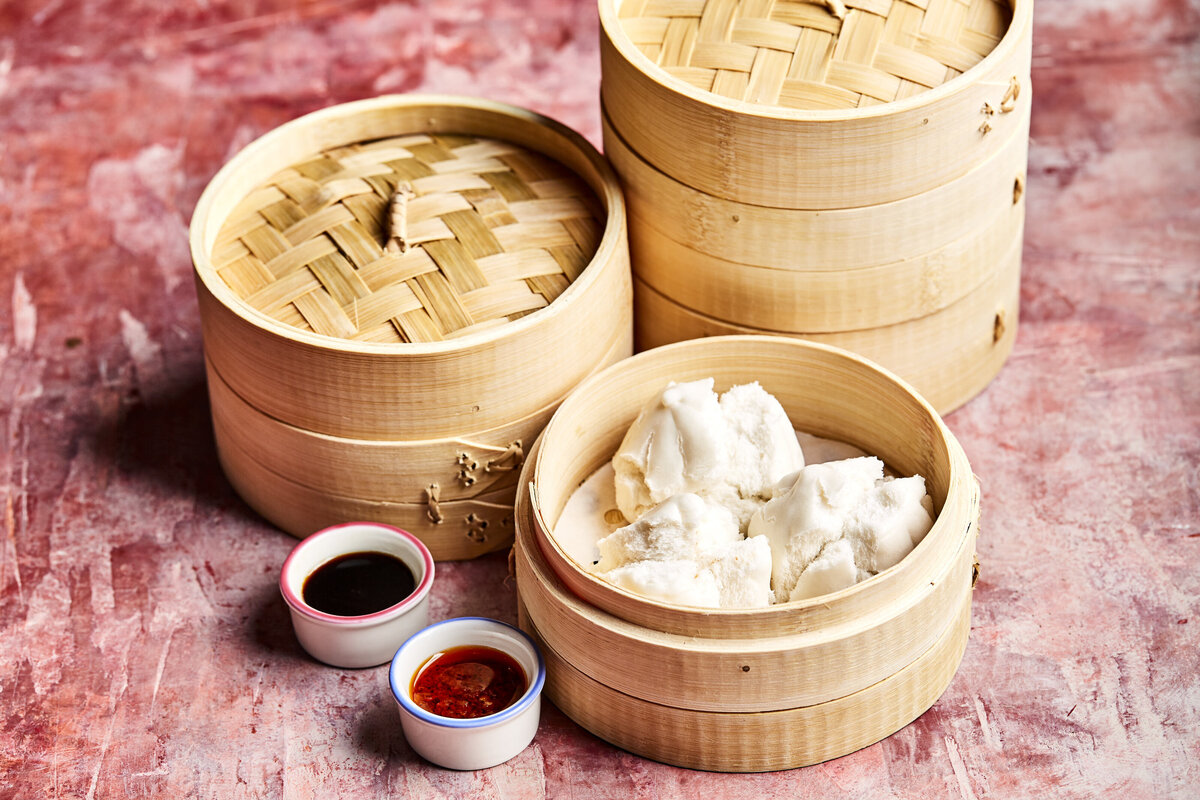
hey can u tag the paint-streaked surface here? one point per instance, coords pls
(144, 649)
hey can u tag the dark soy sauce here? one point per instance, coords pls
(358, 583)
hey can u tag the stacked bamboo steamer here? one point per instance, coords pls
(850, 173)
(754, 689)
(395, 295)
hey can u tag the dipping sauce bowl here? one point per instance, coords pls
(364, 639)
(472, 743)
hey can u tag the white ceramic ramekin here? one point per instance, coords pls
(371, 639)
(469, 743)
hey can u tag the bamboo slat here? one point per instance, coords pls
(827, 392)
(826, 240)
(264, 276)
(948, 356)
(461, 467)
(783, 105)
(794, 667)
(755, 741)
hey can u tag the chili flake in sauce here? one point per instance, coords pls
(468, 682)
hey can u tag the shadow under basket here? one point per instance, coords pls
(744, 690)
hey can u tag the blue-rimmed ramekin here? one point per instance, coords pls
(468, 743)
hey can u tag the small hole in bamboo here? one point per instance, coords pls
(998, 327)
(1018, 189)
(745, 668)
(736, 218)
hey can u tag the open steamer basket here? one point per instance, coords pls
(754, 689)
(389, 277)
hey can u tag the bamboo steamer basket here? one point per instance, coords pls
(801, 271)
(548, 222)
(826, 391)
(856, 179)
(949, 356)
(407, 471)
(745, 690)
(785, 105)
(828, 240)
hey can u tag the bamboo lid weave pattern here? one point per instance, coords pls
(410, 239)
(813, 54)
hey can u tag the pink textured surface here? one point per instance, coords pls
(144, 650)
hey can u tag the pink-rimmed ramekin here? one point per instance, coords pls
(371, 639)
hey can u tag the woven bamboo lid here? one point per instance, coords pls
(480, 376)
(815, 54)
(410, 239)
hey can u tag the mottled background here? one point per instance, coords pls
(143, 648)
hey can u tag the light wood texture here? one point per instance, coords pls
(762, 741)
(388, 470)
(372, 469)
(467, 528)
(800, 667)
(948, 356)
(827, 392)
(486, 375)
(831, 240)
(794, 301)
(746, 148)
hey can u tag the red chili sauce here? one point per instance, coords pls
(468, 682)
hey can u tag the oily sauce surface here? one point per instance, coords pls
(468, 682)
(358, 583)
